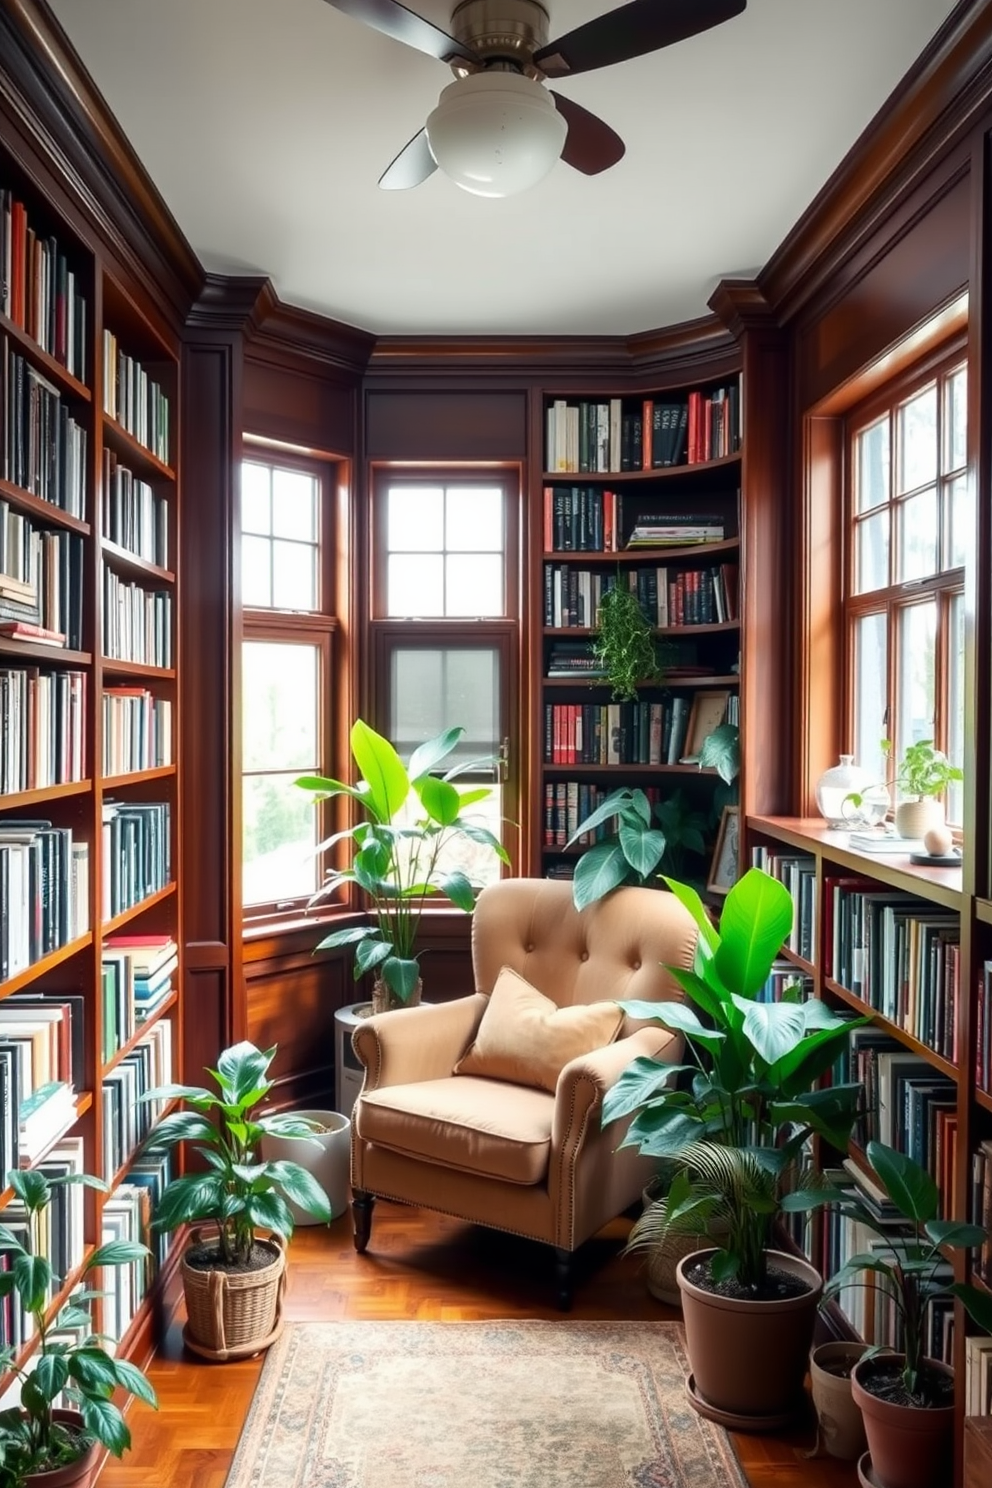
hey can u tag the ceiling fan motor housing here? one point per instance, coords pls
(496, 133)
(508, 31)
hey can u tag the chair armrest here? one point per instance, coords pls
(418, 1043)
(584, 1082)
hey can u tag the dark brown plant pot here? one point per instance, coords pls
(726, 1338)
(78, 1474)
(911, 1446)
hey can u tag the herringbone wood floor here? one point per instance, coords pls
(419, 1265)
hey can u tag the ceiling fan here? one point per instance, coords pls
(498, 129)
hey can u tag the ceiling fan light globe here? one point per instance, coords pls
(496, 133)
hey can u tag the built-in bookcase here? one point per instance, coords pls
(90, 1008)
(640, 490)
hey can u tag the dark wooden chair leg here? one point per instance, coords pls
(362, 1205)
(563, 1279)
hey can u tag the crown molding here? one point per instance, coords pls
(276, 333)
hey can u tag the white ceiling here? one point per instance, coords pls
(265, 124)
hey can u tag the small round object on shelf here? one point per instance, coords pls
(938, 841)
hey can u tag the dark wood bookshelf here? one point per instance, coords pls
(579, 769)
(699, 681)
(54, 371)
(137, 456)
(698, 469)
(901, 1036)
(124, 558)
(111, 927)
(46, 963)
(44, 511)
(665, 630)
(650, 557)
(111, 666)
(35, 651)
(17, 800)
(138, 777)
(159, 1011)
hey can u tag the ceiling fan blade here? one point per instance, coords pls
(412, 165)
(393, 19)
(642, 26)
(591, 145)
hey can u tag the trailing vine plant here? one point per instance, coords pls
(624, 642)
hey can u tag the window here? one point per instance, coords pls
(444, 626)
(910, 525)
(286, 661)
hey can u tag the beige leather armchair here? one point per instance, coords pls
(511, 1156)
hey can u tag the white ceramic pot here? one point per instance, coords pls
(915, 818)
(327, 1155)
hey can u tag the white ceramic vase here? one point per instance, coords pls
(327, 1156)
(915, 818)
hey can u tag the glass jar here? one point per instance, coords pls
(833, 788)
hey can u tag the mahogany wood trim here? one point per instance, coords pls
(288, 336)
(821, 647)
(978, 591)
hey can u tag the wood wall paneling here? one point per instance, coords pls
(978, 594)
(820, 645)
(445, 425)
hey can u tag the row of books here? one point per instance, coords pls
(668, 597)
(127, 1119)
(981, 1206)
(137, 622)
(132, 399)
(47, 589)
(59, 1234)
(137, 975)
(44, 891)
(135, 516)
(983, 1030)
(42, 447)
(568, 802)
(42, 733)
(36, 1086)
(785, 984)
(797, 871)
(591, 519)
(641, 733)
(614, 435)
(900, 955)
(136, 853)
(39, 292)
(137, 730)
(126, 1215)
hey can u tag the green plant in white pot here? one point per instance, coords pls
(921, 779)
(413, 816)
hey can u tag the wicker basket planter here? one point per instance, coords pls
(232, 1315)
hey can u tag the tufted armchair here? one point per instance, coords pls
(517, 1158)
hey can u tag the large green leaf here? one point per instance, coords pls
(117, 1253)
(30, 1186)
(688, 896)
(774, 1028)
(643, 848)
(978, 1304)
(184, 1126)
(371, 953)
(676, 1016)
(441, 801)
(51, 1373)
(351, 936)
(105, 1422)
(33, 1278)
(268, 1211)
(662, 1133)
(242, 1068)
(428, 756)
(643, 1078)
(382, 770)
(908, 1185)
(302, 1187)
(401, 976)
(956, 1233)
(459, 890)
(323, 787)
(800, 1069)
(188, 1199)
(598, 872)
(605, 811)
(721, 751)
(755, 920)
(132, 1379)
(93, 1370)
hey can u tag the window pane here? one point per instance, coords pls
(961, 517)
(917, 426)
(872, 553)
(415, 519)
(294, 579)
(445, 687)
(256, 511)
(915, 675)
(918, 534)
(256, 572)
(280, 834)
(870, 692)
(415, 584)
(294, 505)
(474, 584)
(474, 520)
(873, 466)
(955, 706)
(279, 706)
(956, 417)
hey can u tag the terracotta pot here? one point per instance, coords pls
(842, 1430)
(383, 1000)
(725, 1336)
(232, 1315)
(915, 818)
(78, 1474)
(910, 1446)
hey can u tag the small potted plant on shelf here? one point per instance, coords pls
(906, 1399)
(922, 776)
(44, 1444)
(234, 1268)
(398, 854)
(735, 1135)
(623, 641)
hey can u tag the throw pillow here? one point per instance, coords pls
(527, 1039)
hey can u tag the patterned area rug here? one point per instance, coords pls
(479, 1405)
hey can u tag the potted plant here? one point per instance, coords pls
(624, 642)
(906, 1399)
(840, 1425)
(923, 775)
(398, 857)
(43, 1445)
(735, 1131)
(234, 1271)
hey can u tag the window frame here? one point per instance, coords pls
(894, 599)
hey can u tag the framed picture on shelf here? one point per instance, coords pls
(726, 855)
(706, 714)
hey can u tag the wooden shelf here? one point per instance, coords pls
(133, 453)
(44, 511)
(17, 800)
(700, 681)
(887, 1026)
(110, 927)
(124, 558)
(564, 631)
(138, 777)
(113, 667)
(636, 477)
(53, 655)
(812, 835)
(122, 1171)
(799, 962)
(53, 370)
(983, 911)
(652, 556)
(84, 1101)
(45, 964)
(161, 1008)
(576, 768)
(984, 1099)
